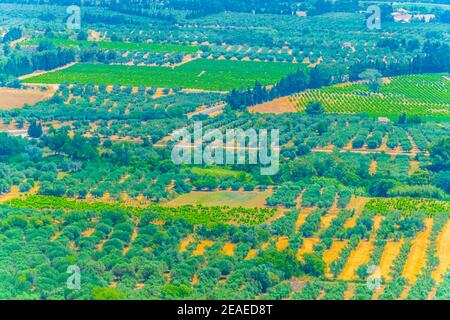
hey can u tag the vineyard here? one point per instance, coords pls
(408, 206)
(194, 214)
(425, 95)
(214, 75)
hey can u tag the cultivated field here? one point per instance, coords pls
(247, 199)
(403, 263)
(214, 75)
(425, 95)
(18, 98)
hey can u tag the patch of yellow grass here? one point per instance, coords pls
(17, 98)
(100, 245)
(413, 167)
(277, 106)
(246, 199)
(88, 232)
(325, 220)
(139, 286)
(357, 204)
(60, 175)
(391, 251)
(228, 249)
(124, 178)
(350, 292)
(304, 212)
(185, 243)
(443, 252)
(282, 243)
(307, 247)
(332, 254)
(251, 254)
(55, 236)
(167, 276)
(405, 293)
(201, 248)
(194, 280)
(135, 233)
(416, 260)
(14, 193)
(35, 188)
(359, 256)
(373, 167)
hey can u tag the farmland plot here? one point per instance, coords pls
(216, 75)
(427, 95)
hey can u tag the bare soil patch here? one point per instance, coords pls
(277, 106)
(17, 98)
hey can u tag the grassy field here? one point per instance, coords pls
(116, 45)
(217, 75)
(425, 95)
(220, 172)
(246, 199)
(196, 213)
